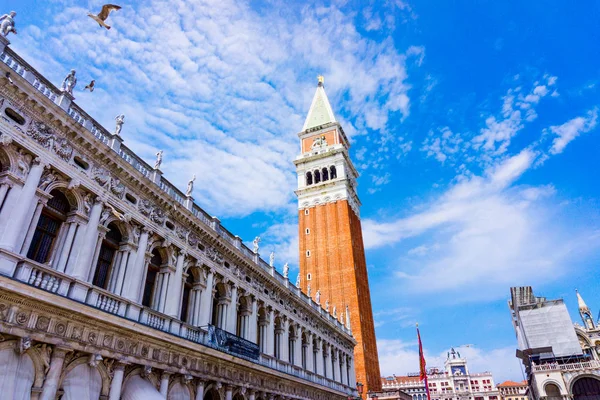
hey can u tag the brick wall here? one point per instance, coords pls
(338, 269)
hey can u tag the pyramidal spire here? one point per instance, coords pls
(581, 303)
(320, 112)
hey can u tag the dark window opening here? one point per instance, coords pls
(187, 289)
(325, 174)
(317, 176)
(80, 163)
(108, 249)
(153, 270)
(15, 116)
(130, 198)
(48, 226)
(309, 179)
(332, 172)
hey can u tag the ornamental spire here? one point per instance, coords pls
(320, 112)
(580, 303)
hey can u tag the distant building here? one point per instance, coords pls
(562, 360)
(455, 382)
(510, 390)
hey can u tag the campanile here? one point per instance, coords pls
(332, 255)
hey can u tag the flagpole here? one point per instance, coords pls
(422, 365)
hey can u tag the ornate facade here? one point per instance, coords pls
(561, 360)
(456, 382)
(114, 284)
(510, 390)
(333, 267)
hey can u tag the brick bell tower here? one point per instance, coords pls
(332, 255)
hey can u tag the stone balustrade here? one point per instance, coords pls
(45, 278)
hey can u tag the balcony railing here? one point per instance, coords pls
(45, 278)
(577, 366)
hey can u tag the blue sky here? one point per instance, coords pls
(473, 125)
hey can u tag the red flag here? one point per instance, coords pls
(422, 365)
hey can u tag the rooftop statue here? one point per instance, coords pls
(120, 121)
(190, 186)
(255, 246)
(69, 82)
(7, 24)
(286, 270)
(271, 259)
(158, 159)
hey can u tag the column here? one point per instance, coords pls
(51, 382)
(252, 321)
(3, 189)
(326, 366)
(18, 214)
(206, 301)
(80, 267)
(124, 266)
(11, 198)
(352, 382)
(197, 293)
(343, 369)
(199, 390)
(285, 341)
(165, 275)
(173, 295)
(263, 336)
(228, 393)
(252, 395)
(319, 357)
(232, 314)
(270, 333)
(164, 383)
(309, 353)
(33, 225)
(133, 281)
(117, 382)
(298, 347)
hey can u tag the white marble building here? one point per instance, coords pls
(561, 360)
(453, 383)
(115, 285)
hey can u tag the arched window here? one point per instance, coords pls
(261, 331)
(332, 172)
(325, 356)
(586, 388)
(54, 214)
(104, 266)
(552, 392)
(185, 298)
(325, 174)
(317, 176)
(220, 306)
(149, 285)
(309, 179)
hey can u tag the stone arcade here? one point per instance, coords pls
(114, 284)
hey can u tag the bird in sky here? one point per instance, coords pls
(103, 15)
(90, 87)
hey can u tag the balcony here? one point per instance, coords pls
(577, 366)
(49, 280)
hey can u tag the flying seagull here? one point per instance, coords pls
(100, 18)
(90, 87)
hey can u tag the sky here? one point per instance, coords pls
(474, 126)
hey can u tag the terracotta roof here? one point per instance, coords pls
(512, 383)
(399, 379)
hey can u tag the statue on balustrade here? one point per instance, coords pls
(255, 243)
(120, 121)
(69, 82)
(286, 270)
(7, 24)
(158, 162)
(190, 186)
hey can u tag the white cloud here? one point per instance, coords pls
(571, 129)
(221, 88)
(400, 358)
(444, 145)
(491, 233)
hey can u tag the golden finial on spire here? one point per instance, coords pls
(321, 79)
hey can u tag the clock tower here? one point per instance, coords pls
(332, 255)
